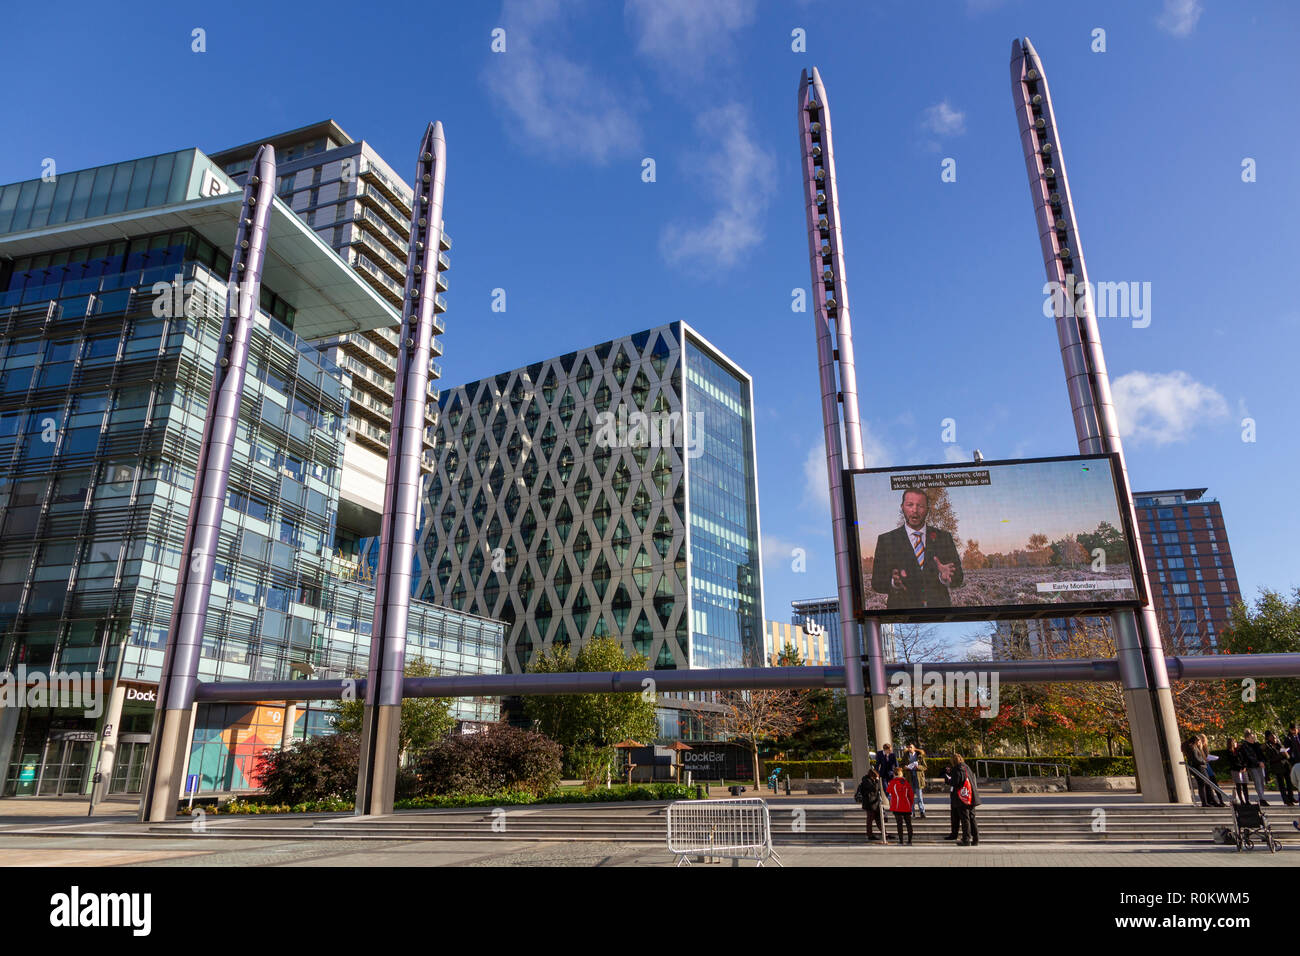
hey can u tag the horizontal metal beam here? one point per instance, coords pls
(1192, 667)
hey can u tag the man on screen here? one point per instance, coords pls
(916, 564)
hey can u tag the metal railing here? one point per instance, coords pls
(1204, 778)
(1034, 768)
(739, 828)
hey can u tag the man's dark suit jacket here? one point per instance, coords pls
(922, 587)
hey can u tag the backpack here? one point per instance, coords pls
(964, 793)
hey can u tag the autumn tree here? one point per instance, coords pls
(1271, 627)
(824, 731)
(973, 559)
(757, 717)
(916, 644)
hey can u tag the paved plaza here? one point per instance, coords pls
(57, 832)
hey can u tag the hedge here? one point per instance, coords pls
(622, 792)
(826, 769)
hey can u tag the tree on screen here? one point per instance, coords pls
(972, 558)
(1069, 553)
(1108, 538)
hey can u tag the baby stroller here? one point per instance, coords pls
(1250, 822)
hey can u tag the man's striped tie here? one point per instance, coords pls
(919, 547)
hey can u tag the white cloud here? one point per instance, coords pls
(741, 175)
(942, 120)
(955, 453)
(1179, 17)
(686, 39)
(553, 103)
(816, 492)
(780, 552)
(1163, 407)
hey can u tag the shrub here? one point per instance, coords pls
(499, 758)
(590, 763)
(316, 768)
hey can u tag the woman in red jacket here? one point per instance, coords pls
(900, 803)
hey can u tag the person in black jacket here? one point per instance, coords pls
(1292, 743)
(1275, 754)
(886, 762)
(916, 564)
(1237, 763)
(1210, 760)
(868, 794)
(1256, 764)
(965, 798)
(1196, 761)
(953, 816)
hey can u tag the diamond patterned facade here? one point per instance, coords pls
(608, 492)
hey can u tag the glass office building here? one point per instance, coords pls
(112, 291)
(611, 491)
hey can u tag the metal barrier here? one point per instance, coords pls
(1033, 768)
(738, 828)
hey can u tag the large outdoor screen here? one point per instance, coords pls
(1045, 536)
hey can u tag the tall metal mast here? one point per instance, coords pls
(1143, 672)
(377, 775)
(839, 399)
(176, 688)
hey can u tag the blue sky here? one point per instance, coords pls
(545, 199)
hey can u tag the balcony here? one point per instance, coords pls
(444, 261)
(373, 352)
(364, 237)
(382, 281)
(445, 245)
(398, 193)
(397, 241)
(379, 202)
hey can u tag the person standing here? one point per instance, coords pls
(1255, 763)
(868, 794)
(1292, 743)
(1237, 767)
(1210, 759)
(900, 804)
(914, 764)
(965, 798)
(1196, 761)
(1276, 755)
(886, 761)
(954, 817)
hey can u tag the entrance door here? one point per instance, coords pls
(128, 767)
(64, 769)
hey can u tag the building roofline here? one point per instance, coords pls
(1192, 494)
(717, 353)
(330, 296)
(326, 127)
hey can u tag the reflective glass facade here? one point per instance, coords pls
(104, 379)
(559, 503)
(60, 198)
(722, 498)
